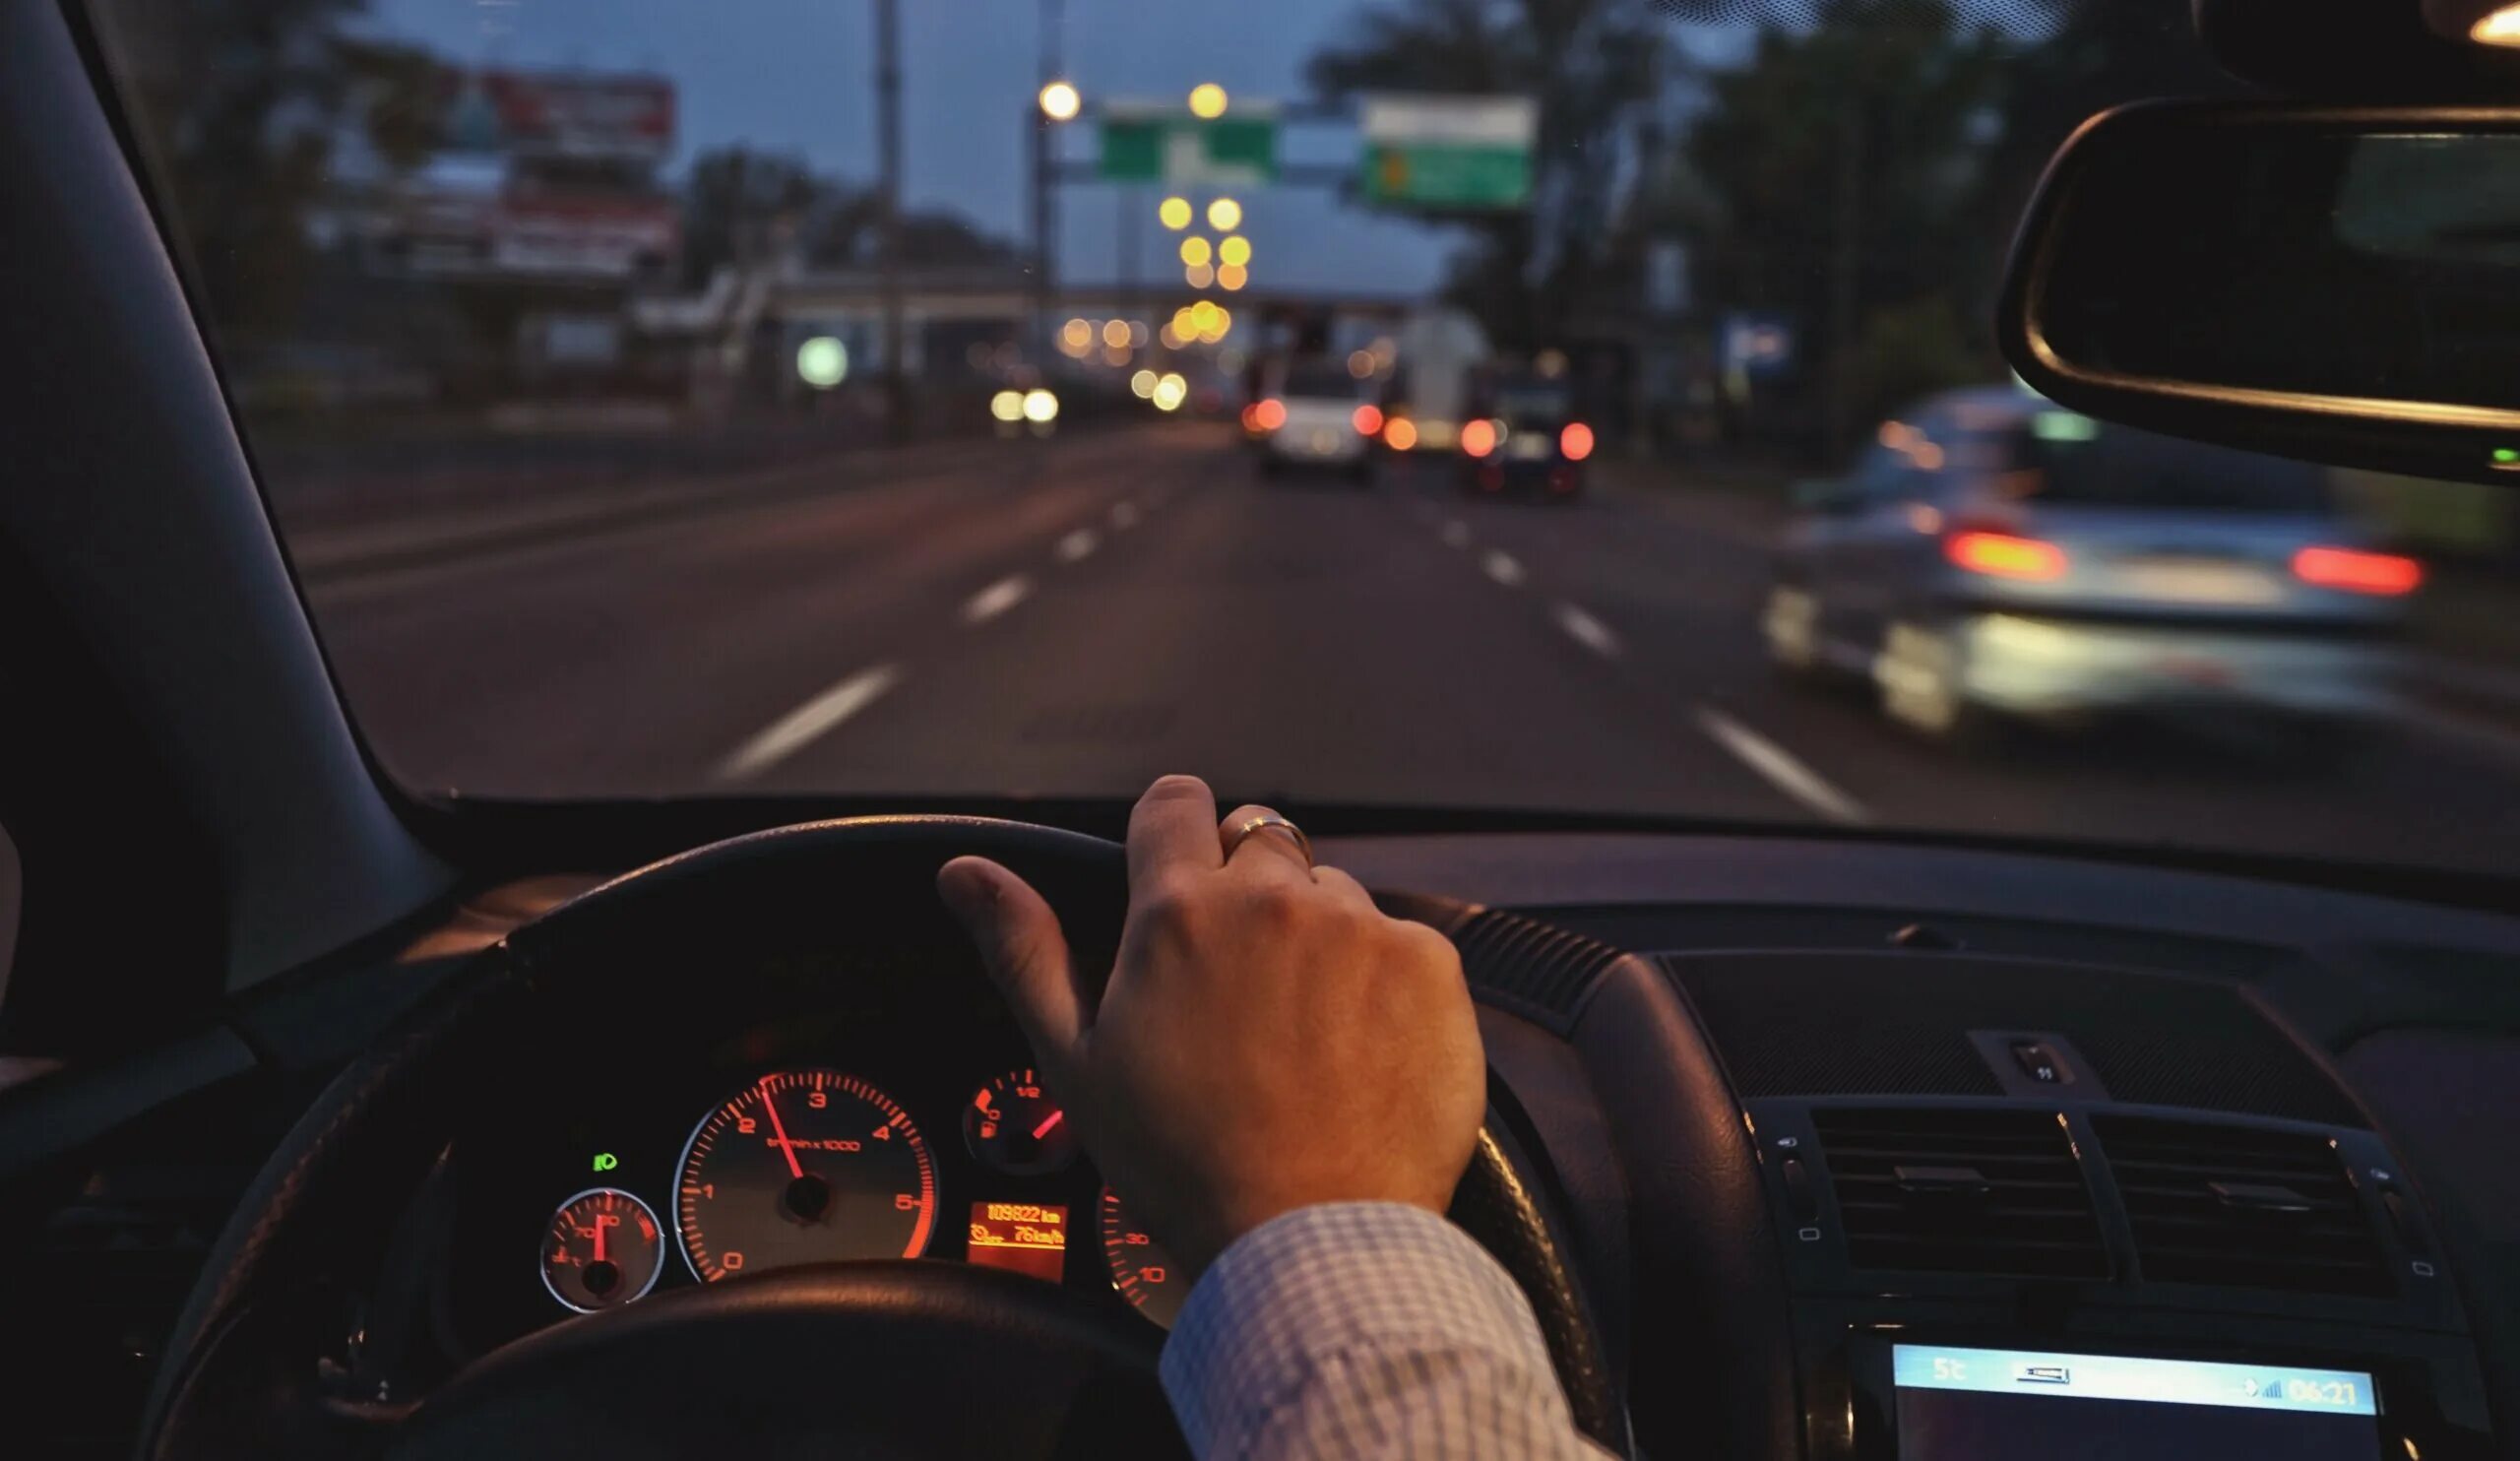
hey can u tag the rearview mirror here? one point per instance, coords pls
(2341, 284)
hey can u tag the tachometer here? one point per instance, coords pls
(803, 1167)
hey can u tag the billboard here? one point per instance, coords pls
(568, 114)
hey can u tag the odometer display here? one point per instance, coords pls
(803, 1167)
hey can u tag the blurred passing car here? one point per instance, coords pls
(1992, 554)
(1317, 415)
(1527, 442)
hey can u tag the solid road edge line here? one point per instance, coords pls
(1781, 768)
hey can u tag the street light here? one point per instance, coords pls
(1040, 407)
(1225, 215)
(1175, 212)
(1195, 251)
(1233, 276)
(1060, 102)
(1199, 276)
(1235, 251)
(1207, 101)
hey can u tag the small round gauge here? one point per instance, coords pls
(604, 1250)
(1013, 1126)
(803, 1167)
(1141, 1270)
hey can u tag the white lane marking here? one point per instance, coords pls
(808, 723)
(1078, 545)
(1779, 767)
(996, 599)
(1456, 534)
(1124, 515)
(1588, 631)
(1502, 567)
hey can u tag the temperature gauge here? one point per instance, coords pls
(604, 1251)
(1013, 1126)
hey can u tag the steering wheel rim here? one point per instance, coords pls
(229, 1374)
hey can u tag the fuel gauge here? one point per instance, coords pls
(604, 1251)
(1013, 1126)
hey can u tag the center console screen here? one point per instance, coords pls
(1975, 1405)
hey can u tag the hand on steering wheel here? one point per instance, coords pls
(1242, 1063)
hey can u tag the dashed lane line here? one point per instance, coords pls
(1503, 567)
(1781, 768)
(808, 723)
(1588, 631)
(1078, 545)
(997, 598)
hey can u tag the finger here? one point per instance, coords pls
(1269, 851)
(1024, 951)
(1337, 884)
(1172, 830)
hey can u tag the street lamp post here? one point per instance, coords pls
(888, 144)
(1045, 126)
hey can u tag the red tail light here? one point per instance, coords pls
(2384, 574)
(1251, 416)
(2003, 555)
(1269, 414)
(1368, 419)
(1479, 438)
(1576, 441)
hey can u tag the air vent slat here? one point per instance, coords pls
(2021, 1209)
(2187, 1233)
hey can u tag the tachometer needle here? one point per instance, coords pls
(1049, 1124)
(778, 1132)
(602, 1222)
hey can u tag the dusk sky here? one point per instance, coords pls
(797, 75)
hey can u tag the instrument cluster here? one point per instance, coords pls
(781, 1163)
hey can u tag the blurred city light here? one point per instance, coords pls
(1367, 419)
(1203, 317)
(1007, 405)
(1576, 441)
(1195, 251)
(1235, 250)
(1060, 102)
(1171, 390)
(1142, 385)
(1199, 276)
(1173, 337)
(1137, 332)
(1174, 213)
(1479, 437)
(1206, 101)
(1041, 406)
(1225, 215)
(2499, 28)
(1233, 276)
(1115, 355)
(1400, 434)
(1549, 364)
(1360, 363)
(1077, 337)
(822, 362)
(1115, 333)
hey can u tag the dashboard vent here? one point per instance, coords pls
(2241, 1206)
(1529, 965)
(1961, 1191)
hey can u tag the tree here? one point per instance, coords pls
(1839, 166)
(741, 206)
(1595, 67)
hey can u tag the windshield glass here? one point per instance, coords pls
(871, 398)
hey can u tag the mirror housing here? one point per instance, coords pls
(2335, 284)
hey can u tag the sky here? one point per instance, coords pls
(797, 76)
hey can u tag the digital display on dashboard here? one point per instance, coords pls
(1027, 1237)
(1968, 1405)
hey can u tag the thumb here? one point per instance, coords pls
(1025, 953)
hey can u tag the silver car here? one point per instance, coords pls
(1993, 554)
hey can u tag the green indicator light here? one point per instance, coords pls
(2504, 456)
(606, 1160)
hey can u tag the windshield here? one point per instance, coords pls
(869, 398)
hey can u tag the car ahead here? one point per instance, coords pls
(1319, 417)
(1992, 556)
(1527, 442)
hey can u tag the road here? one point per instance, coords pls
(1075, 620)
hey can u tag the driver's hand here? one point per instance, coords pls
(1267, 1039)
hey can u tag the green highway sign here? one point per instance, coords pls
(1172, 147)
(1449, 153)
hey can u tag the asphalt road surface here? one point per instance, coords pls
(1074, 619)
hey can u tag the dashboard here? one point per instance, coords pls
(802, 1142)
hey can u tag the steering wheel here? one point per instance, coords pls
(890, 1358)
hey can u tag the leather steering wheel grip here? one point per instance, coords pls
(240, 1371)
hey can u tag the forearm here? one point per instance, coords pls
(1364, 1330)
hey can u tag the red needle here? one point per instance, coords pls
(602, 1222)
(1049, 1124)
(787, 1148)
